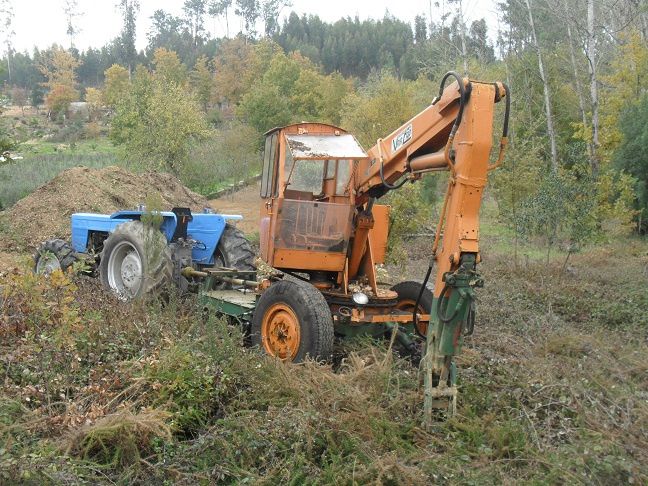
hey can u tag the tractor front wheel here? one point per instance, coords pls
(292, 321)
(54, 255)
(135, 261)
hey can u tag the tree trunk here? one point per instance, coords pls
(591, 59)
(577, 83)
(464, 54)
(547, 97)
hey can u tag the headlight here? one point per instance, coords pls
(360, 298)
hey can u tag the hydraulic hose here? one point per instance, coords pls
(389, 186)
(462, 100)
(420, 296)
(505, 127)
(442, 308)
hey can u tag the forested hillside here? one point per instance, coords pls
(578, 71)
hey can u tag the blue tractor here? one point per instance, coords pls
(136, 253)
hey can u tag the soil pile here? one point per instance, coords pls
(46, 212)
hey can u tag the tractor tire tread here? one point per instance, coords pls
(312, 310)
(59, 248)
(157, 278)
(236, 249)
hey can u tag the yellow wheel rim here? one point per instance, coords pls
(280, 332)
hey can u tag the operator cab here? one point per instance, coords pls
(308, 198)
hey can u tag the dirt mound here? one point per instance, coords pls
(45, 213)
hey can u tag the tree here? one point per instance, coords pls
(249, 11)
(116, 86)
(157, 124)
(420, 29)
(233, 70)
(631, 155)
(58, 66)
(270, 10)
(20, 97)
(6, 21)
(172, 33)
(545, 85)
(382, 106)
(59, 98)
(168, 67)
(202, 82)
(129, 10)
(218, 8)
(94, 98)
(195, 11)
(592, 69)
(71, 11)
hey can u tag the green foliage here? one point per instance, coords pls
(562, 209)
(410, 214)
(378, 108)
(292, 90)
(229, 155)
(117, 85)
(21, 178)
(168, 68)
(158, 122)
(631, 155)
(7, 143)
(202, 82)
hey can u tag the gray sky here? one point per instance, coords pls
(42, 22)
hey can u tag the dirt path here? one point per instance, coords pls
(245, 202)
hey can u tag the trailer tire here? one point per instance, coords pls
(54, 255)
(136, 261)
(408, 293)
(292, 321)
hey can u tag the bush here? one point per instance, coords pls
(156, 124)
(230, 155)
(410, 214)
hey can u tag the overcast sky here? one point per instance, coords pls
(42, 22)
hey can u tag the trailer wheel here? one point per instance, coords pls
(407, 295)
(292, 321)
(135, 261)
(54, 255)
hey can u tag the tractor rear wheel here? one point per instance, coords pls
(292, 321)
(233, 250)
(408, 293)
(54, 255)
(135, 261)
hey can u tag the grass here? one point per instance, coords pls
(100, 145)
(553, 390)
(22, 177)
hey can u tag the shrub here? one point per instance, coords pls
(157, 123)
(230, 155)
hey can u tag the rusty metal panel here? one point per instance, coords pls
(378, 234)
